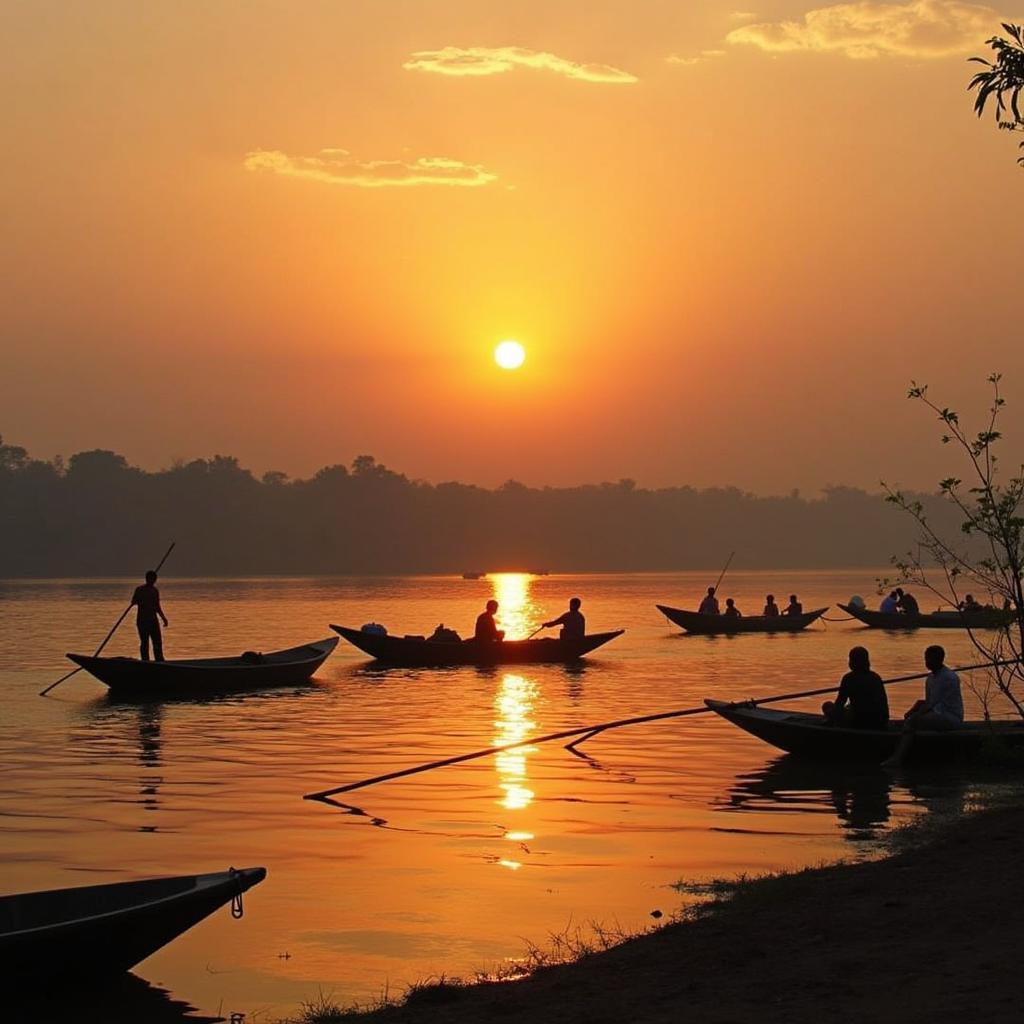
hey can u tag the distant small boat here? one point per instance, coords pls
(96, 931)
(711, 625)
(398, 650)
(987, 618)
(473, 575)
(808, 736)
(129, 677)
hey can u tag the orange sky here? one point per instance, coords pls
(294, 232)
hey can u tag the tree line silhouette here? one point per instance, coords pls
(96, 515)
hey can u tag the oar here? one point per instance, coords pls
(113, 630)
(724, 571)
(586, 732)
(536, 631)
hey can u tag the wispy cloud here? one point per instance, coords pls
(483, 60)
(338, 167)
(742, 15)
(700, 58)
(920, 29)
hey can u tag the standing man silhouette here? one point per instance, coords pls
(147, 599)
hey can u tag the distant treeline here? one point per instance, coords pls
(96, 515)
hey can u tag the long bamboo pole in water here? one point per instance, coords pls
(586, 732)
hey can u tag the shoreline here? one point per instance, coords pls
(927, 932)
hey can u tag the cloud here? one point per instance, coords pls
(742, 15)
(337, 167)
(704, 55)
(921, 29)
(483, 60)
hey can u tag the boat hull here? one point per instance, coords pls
(97, 931)
(714, 625)
(396, 650)
(129, 677)
(806, 735)
(988, 619)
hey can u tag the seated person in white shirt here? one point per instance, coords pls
(942, 708)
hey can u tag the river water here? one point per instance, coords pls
(453, 871)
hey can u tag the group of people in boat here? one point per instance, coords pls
(862, 703)
(710, 606)
(899, 602)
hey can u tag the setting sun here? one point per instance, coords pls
(509, 355)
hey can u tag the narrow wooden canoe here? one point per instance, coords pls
(397, 650)
(709, 625)
(808, 736)
(129, 677)
(989, 618)
(101, 930)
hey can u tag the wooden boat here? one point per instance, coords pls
(96, 931)
(987, 618)
(808, 736)
(397, 650)
(710, 625)
(129, 677)
(474, 575)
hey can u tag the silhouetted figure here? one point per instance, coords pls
(486, 627)
(794, 607)
(147, 620)
(573, 622)
(861, 702)
(709, 606)
(890, 604)
(969, 605)
(771, 609)
(731, 611)
(908, 603)
(942, 708)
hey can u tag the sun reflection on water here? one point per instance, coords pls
(514, 705)
(518, 615)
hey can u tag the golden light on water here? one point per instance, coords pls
(514, 705)
(517, 613)
(509, 355)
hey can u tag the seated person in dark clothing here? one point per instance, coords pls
(573, 623)
(794, 607)
(486, 628)
(709, 606)
(908, 604)
(862, 702)
(970, 605)
(771, 609)
(731, 609)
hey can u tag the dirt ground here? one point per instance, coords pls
(930, 934)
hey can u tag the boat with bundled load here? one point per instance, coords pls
(129, 677)
(424, 651)
(985, 618)
(96, 931)
(710, 625)
(808, 735)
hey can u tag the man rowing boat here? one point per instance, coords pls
(147, 599)
(573, 623)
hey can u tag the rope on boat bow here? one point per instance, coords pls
(237, 910)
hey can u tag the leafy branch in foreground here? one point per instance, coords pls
(1003, 80)
(989, 558)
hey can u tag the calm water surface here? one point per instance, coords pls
(450, 871)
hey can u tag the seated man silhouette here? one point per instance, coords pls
(486, 627)
(709, 606)
(794, 607)
(573, 623)
(731, 611)
(771, 609)
(861, 702)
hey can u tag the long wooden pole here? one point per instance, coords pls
(586, 732)
(724, 571)
(113, 630)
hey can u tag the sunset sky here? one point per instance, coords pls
(295, 232)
